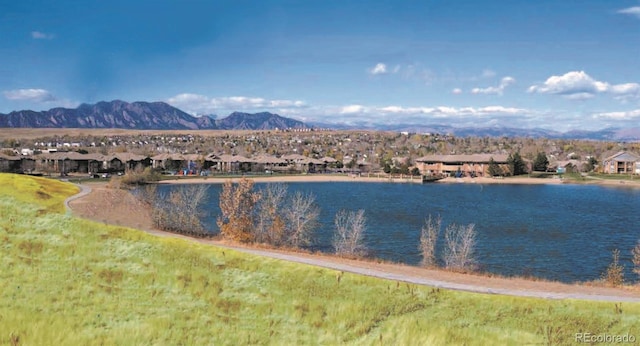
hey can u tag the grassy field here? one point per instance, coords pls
(67, 281)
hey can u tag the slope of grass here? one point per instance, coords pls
(47, 194)
(74, 282)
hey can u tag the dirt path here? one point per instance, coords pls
(119, 207)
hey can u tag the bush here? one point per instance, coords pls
(460, 242)
(428, 240)
(636, 258)
(180, 211)
(348, 238)
(139, 176)
(614, 275)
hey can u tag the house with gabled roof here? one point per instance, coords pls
(622, 162)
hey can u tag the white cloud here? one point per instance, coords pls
(456, 91)
(380, 68)
(440, 111)
(634, 114)
(352, 109)
(33, 95)
(495, 90)
(634, 11)
(201, 104)
(577, 85)
(38, 35)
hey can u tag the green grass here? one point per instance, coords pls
(630, 177)
(67, 281)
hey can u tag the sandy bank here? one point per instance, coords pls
(372, 178)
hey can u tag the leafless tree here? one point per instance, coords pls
(635, 252)
(348, 238)
(460, 242)
(179, 211)
(428, 240)
(285, 220)
(301, 215)
(270, 227)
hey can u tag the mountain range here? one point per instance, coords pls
(162, 116)
(142, 116)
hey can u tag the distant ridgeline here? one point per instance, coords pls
(143, 116)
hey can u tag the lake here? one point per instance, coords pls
(556, 232)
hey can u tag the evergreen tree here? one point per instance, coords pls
(494, 169)
(541, 162)
(516, 164)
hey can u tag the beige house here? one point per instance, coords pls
(622, 163)
(474, 165)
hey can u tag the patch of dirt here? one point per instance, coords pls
(113, 206)
(120, 207)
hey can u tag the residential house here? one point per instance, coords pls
(622, 162)
(234, 163)
(128, 161)
(64, 162)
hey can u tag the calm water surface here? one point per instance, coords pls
(557, 232)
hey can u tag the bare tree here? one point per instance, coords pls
(635, 252)
(428, 240)
(460, 244)
(237, 204)
(283, 220)
(180, 211)
(348, 238)
(270, 227)
(301, 215)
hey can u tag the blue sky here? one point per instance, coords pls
(559, 65)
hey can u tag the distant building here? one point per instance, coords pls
(474, 165)
(622, 163)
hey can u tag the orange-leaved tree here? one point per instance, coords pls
(237, 204)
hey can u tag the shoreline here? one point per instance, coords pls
(377, 178)
(372, 178)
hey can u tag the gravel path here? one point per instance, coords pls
(433, 282)
(84, 191)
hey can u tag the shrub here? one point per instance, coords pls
(614, 275)
(270, 225)
(635, 252)
(139, 176)
(428, 240)
(348, 238)
(180, 211)
(460, 242)
(301, 215)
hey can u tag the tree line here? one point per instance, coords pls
(274, 216)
